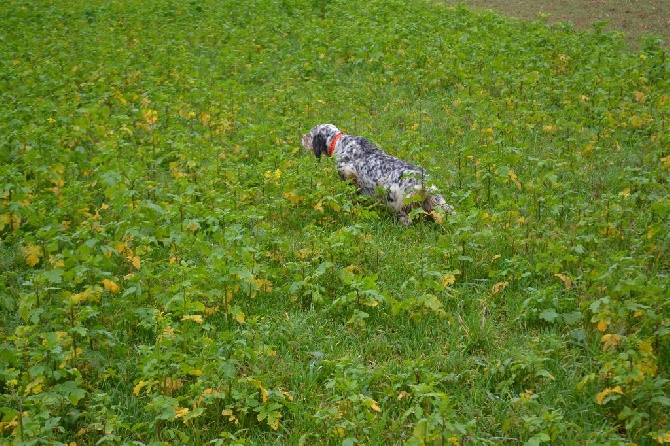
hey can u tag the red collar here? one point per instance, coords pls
(331, 149)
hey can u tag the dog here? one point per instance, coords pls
(400, 185)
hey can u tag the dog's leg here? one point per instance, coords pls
(404, 218)
(436, 200)
(347, 173)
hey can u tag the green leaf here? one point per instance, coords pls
(54, 276)
(538, 439)
(661, 399)
(71, 391)
(550, 315)
(572, 317)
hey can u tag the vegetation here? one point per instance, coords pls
(175, 269)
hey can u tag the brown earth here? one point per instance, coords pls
(634, 18)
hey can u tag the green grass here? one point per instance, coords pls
(177, 270)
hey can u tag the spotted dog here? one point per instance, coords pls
(401, 185)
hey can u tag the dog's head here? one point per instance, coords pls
(318, 138)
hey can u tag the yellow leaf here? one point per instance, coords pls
(610, 341)
(567, 281)
(120, 247)
(78, 297)
(663, 438)
(454, 441)
(526, 394)
(150, 116)
(602, 325)
(170, 385)
(32, 260)
(211, 310)
(176, 174)
(262, 284)
(437, 217)
(645, 347)
(604, 393)
(35, 386)
(640, 97)
(636, 121)
(135, 261)
(10, 219)
(646, 367)
(292, 197)
(318, 207)
(138, 387)
(231, 417)
(32, 254)
(286, 394)
(239, 317)
(192, 317)
(110, 286)
(375, 407)
(587, 379)
(180, 412)
(402, 394)
(512, 175)
(448, 279)
(498, 286)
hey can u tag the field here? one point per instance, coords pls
(636, 19)
(176, 269)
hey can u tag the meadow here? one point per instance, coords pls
(176, 269)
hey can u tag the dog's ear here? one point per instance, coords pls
(319, 145)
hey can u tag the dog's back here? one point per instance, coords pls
(374, 167)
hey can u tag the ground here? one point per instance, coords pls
(635, 18)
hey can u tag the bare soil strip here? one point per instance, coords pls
(633, 18)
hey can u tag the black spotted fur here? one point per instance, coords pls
(401, 185)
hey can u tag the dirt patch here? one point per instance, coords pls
(634, 18)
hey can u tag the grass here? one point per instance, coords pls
(176, 269)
